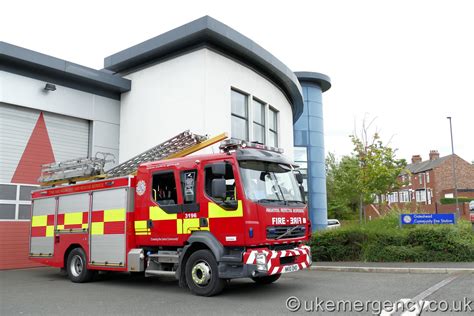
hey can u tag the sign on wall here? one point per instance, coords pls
(417, 219)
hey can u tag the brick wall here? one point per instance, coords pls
(444, 176)
(14, 245)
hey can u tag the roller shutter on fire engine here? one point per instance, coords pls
(107, 227)
(42, 227)
(73, 213)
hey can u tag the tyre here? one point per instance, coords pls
(202, 274)
(267, 279)
(77, 266)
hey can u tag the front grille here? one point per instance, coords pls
(282, 247)
(274, 232)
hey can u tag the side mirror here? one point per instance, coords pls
(299, 177)
(302, 193)
(218, 189)
(218, 169)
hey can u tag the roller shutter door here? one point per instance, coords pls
(46, 134)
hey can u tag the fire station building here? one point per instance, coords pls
(202, 76)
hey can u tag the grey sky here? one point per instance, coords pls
(407, 63)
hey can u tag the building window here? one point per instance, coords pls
(404, 196)
(301, 159)
(427, 177)
(15, 201)
(393, 197)
(420, 178)
(258, 122)
(263, 118)
(273, 127)
(420, 195)
(239, 108)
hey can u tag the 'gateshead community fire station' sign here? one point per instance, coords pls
(416, 219)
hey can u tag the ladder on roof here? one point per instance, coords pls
(84, 169)
(78, 169)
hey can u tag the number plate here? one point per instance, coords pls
(290, 268)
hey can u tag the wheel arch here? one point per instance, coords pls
(68, 251)
(197, 241)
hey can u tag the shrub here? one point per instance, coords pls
(338, 244)
(382, 240)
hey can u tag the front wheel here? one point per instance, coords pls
(267, 279)
(202, 274)
(77, 266)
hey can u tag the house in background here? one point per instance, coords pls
(427, 183)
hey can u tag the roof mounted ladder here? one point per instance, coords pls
(84, 169)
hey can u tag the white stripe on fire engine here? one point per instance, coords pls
(283, 253)
(275, 270)
(274, 254)
(303, 265)
(251, 258)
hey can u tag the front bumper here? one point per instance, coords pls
(282, 261)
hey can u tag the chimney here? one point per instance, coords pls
(434, 154)
(415, 159)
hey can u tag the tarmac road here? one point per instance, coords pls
(45, 291)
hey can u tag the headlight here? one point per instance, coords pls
(261, 258)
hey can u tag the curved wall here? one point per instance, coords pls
(193, 91)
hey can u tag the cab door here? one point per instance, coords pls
(224, 213)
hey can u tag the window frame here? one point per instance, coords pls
(209, 197)
(270, 130)
(18, 201)
(246, 119)
(263, 108)
(268, 109)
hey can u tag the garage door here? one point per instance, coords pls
(29, 138)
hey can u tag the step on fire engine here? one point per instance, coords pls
(203, 219)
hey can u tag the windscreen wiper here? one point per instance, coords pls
(295, 201)
(270, 200)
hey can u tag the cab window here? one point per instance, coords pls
(164, 189)
(188, 186)
(230, 194)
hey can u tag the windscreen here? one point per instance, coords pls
(269, 181)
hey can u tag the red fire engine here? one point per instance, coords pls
(204, 219)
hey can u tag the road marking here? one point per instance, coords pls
(435, 288)
(419, 299)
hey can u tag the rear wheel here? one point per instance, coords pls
(267, 279)
(77, 266)
(202, 274)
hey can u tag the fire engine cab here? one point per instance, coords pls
(203, 219)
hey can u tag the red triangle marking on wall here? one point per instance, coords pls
(38, 151)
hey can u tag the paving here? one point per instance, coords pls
(45, 291)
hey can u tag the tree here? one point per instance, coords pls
(372, 169)
(379, 170)
(343, 195)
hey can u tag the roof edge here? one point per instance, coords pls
(320, 79)
(33, 64)
(209, 30)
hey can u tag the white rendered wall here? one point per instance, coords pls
(104, 113)
(193, 92)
